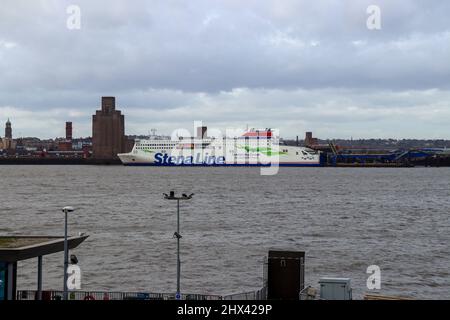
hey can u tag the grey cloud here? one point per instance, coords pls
(328, 112)
(164, 55)
(168, 45)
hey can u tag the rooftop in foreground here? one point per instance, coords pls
(20, 242)
(17, 248)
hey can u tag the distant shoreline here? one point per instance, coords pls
(58, 161)
(117, 162)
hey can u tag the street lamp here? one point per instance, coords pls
(66, 249)
(171, 196)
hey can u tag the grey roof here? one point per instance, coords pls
(17, 248)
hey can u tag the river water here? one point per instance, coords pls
(345, 219)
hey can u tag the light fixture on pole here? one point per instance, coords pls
(66, 250)
(177, 235)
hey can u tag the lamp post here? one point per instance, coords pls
(171, 196)
(66, 250)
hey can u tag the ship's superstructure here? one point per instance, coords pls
(252, 148)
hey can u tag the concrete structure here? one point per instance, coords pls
(108, 131)
(14, 249)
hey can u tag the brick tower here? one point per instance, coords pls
(69, 131)
(8, 130)
(108, 130)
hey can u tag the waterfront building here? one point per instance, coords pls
(8, 143)
(108, 131)
(69, 131)
(66, 145)
(310, 140)
(8, 130)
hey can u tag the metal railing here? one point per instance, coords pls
(260, 294)
(104, 295)
(308, 293)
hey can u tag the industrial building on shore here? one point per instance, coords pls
(7, 143)
(108, 131)
(109, 139)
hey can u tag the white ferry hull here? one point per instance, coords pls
(221, 165)
(130, 159)
(254, 148)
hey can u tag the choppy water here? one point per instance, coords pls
(345, 220)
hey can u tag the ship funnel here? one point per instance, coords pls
(202, 132)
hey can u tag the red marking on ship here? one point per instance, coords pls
(257, 133)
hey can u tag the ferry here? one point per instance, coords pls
(254, 147)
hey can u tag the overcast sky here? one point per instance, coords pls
(289, 64)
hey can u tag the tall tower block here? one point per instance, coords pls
(8, 130)
(69, 131)
(108, 130)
